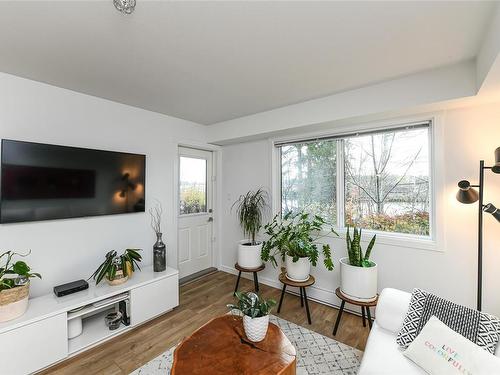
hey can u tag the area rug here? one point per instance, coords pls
(316, 354)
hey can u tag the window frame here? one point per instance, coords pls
(435, 240)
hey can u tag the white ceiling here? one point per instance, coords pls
(213, 61)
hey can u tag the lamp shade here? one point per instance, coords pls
(491, 209)
(466, 194)
(496, 167)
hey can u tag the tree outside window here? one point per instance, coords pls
(386, 180)
(308, 179)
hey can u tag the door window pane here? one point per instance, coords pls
(308, 178)
(193, 185)
(387, 181)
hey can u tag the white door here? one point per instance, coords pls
(195, 211)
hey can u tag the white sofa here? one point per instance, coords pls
(382, 354)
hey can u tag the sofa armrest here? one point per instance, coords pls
(391, 309)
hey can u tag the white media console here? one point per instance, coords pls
(39, 338)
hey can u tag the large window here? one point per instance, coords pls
(378, 181)
(308, 178)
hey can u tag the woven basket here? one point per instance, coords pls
(119, 279)
(12, 295)
(14, 302)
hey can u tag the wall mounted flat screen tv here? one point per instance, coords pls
(45, 182)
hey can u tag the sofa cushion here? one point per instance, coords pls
(391, 309)
(480, 328)
(441, 351)
(383, 356)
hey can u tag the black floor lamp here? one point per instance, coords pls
(467, 194)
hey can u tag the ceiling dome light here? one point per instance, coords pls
(124, 6)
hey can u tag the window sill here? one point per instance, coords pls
(392, 239)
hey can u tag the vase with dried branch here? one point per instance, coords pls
(159, 248)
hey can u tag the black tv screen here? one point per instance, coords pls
(44, 182)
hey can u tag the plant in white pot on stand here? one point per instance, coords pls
(358, 274)
(255, 312)
(250, 209)
(14, 286)
(295, 238)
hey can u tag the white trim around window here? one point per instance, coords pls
(436, 240)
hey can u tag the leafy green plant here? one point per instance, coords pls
(19, 268)
(354, 250)
(114, 263)
(132, 256)
(250, 209)
(297, 235)
(250, 304)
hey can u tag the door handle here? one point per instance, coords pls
(210, 219)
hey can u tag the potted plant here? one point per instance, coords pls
(14, 286)
(250, 209)
(295, 238)
(255, 312)
(117, 269)
(358, 274)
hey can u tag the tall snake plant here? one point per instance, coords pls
(354, 250)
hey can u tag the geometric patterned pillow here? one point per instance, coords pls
(480, 328)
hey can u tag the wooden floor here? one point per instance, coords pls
(200, 301)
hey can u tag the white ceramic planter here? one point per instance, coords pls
(256, 328)
(249, 255)
(358, 283)
(299, 270)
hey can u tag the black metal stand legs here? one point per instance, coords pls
(255, 282)
(237, 282)
(303, 299)
(338, 318)
(307, 305)
(363, 309)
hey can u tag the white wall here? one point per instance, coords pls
(65, 250)
(468, 135)
(419, 89)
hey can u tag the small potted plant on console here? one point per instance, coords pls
(295, 238)
(255, 312)
(14, 286)
(117, 269)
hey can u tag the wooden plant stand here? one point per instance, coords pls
(302, 285)
(252, 270)
(365, 306)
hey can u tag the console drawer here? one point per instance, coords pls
(153, 299)
(34, 346)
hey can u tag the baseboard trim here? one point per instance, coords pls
(316, 294)
(198, 275)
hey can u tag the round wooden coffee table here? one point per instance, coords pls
(220, 347)
(365, 306)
